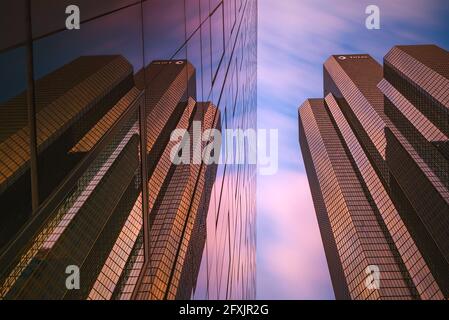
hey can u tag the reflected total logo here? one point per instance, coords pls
(168, 62)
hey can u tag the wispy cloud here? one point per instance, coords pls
(290, 242)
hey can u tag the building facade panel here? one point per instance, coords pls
(358, 235)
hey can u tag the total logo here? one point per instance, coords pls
(353, 57)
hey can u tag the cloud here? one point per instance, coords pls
(297, 36)
(289, 156)
(290, 251)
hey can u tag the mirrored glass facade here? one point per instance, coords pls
(375, 154)
(86, 176)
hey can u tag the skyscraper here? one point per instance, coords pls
(86, 177)
(370, 147)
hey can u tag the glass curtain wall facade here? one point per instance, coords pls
(375, 155)
(86, 179)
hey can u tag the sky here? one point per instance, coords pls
(295, 38)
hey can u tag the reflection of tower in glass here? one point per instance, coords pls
(376, 156)
(68, 102)
(89, 127)
(178, 221)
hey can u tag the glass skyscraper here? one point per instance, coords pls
(375, 150)
(86, 177)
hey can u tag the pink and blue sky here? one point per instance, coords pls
(295, 38)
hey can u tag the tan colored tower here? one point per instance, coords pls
(362, 155)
